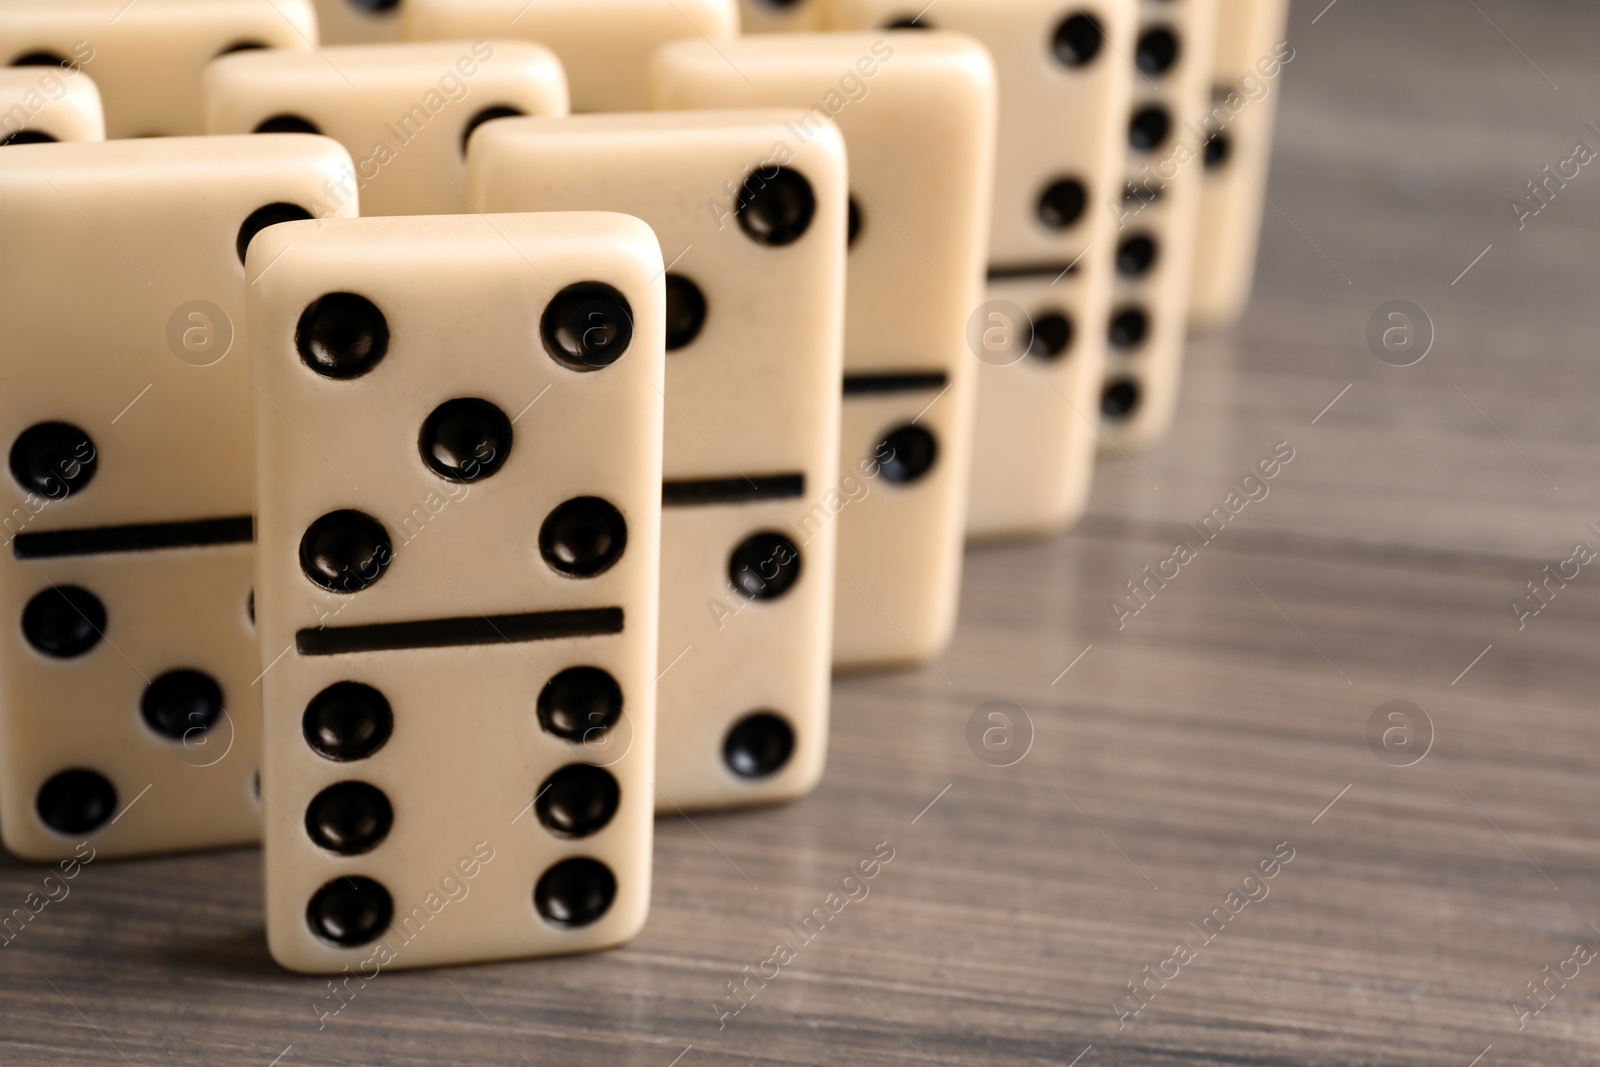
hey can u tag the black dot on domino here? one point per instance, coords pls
(907, 454)
(53, 459)
(759, 745)
(345, 551)
(1135, 256)
(854, 230)
(465, 439)
(263, 217)
(1218, 149)
(686, 312)
(76, 802)
(583, 537)
(488, 114)
(243, 46)
(1062, 203)
(375, 6)
(1077, 41)
(1052, 335)
(587, 326)
(776, 206)
(908, 22)
(64, 621)
(181, 703)
(39, 59)
(28, 137)
(286, 124)
(347, 721)
(1129, 328)
(1157, 50)
(1120, 399)
(578, 800)
(341, 335)
(765, 566)
(349, 818)
(350, 911)
(1149, 127)
(575, 892)
(580, 704)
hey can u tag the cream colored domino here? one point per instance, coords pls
(605, 45)
(755, 299)
(127, 714)
(1064, 92)
(359, 21)
(39, 105)
(1157, 222)
(458, 430)
(917, 111)
(1251, 50)
(404, 111)
(147, 57)
(782, 16)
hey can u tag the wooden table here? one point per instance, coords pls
(1228, 719)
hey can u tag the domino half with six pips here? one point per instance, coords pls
(1157, 219)
(753, 226)
(458, 430)
(128, 713)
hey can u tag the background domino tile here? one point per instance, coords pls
(39, 105)
(605, 45)
(1166, 146)
(1244, 100)
(755, 293)
(919, 125)
(1064, 90)
(147, 57)
(479, 512)
(140, 364)
(359, 21)
(781, 16)
(404, 111)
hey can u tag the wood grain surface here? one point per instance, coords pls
(1229, 718)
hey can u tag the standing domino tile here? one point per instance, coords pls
(458, 442)
(753, 221)
(147, 57)
(1064, 92)
(127, 711)
(917, 110)
(605, 45)
(40, 105)
(359, 21)
(1157, 220)
(781, 16)
(404, 111)
(1250, 54)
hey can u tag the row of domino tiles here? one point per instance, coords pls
(679, 564)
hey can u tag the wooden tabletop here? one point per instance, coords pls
(1175, 761)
